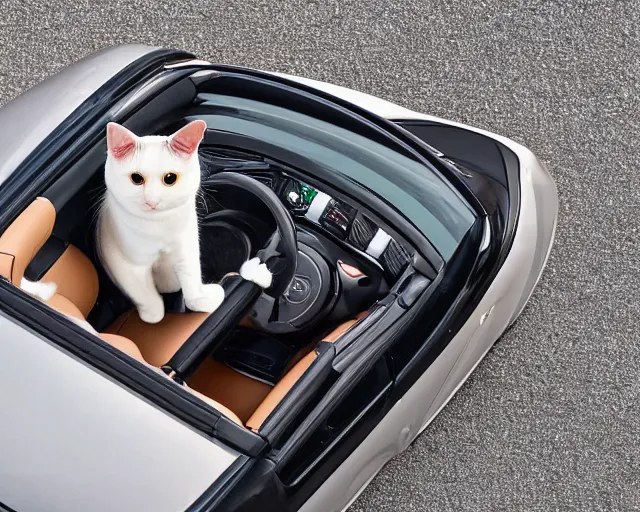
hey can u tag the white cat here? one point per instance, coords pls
(148, 227)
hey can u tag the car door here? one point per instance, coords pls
(72, 439)
(423, 358)
(346, 422)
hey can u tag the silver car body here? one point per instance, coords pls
(501, 305)
(28, 120)
(76, 440)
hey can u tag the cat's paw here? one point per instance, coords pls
(256, 272)
(151, 313)
(208, 301)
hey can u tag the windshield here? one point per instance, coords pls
(417, 191)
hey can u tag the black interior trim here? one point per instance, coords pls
(362, 326)
(315, 378)
(45, 258)
(240, 295)
(388, 327)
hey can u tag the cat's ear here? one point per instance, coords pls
(186, 140)
(121, 143)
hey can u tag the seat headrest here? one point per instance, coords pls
(24, 238)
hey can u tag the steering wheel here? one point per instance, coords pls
(280, 255)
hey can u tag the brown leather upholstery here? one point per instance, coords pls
(76, 278)
(216, 405)
(124, 344)
(64, 305)
(238, 392)
(73, 273)
(77, 282)
(158, 342)
(280, 391)
(24, 238)
(333, 336)
(283, 387)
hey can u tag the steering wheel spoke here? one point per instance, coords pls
(280, 255)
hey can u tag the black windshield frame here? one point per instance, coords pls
(376, 160)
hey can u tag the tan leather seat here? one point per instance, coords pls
(283, 387)
(71, 269)
(234, 390)
(77, 291)
(77, 282)
(157, 342)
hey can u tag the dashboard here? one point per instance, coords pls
(312, 208)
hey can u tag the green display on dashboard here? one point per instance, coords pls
(308, 194)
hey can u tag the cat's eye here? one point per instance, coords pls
(170, 179)
(136, 178)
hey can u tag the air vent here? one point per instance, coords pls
(362, 232)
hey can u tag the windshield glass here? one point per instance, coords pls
(417, 191)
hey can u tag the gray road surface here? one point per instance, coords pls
(550, 419)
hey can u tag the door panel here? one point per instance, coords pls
(392, 435)
(73, 440)
(346, 425)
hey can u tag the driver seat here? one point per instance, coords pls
(77, 291)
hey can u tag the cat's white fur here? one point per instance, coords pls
(44, 291)
(148, 234)
(257, 272)
(39, 289)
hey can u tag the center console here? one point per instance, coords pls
(345, 261)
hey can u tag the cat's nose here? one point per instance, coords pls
(151, 204)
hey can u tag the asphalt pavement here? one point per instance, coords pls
(550, 419)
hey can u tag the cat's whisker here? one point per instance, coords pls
(213, 198)
(96, 207)
(201, 195)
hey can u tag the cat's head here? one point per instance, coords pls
(151, 174)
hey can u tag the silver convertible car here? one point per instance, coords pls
(402, 247)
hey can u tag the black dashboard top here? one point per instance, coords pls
(310, 206)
